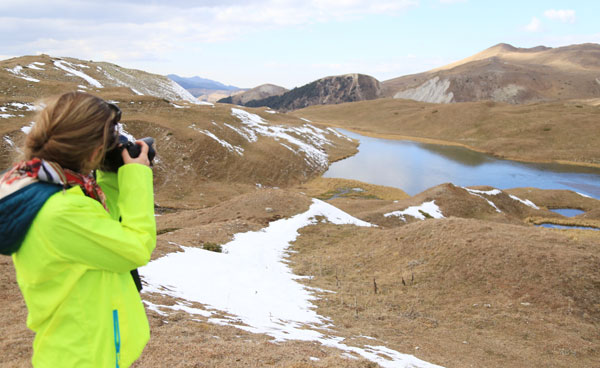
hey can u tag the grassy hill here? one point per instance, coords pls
(475, 288)
(504, 73)
(197, 143)
(558, 131)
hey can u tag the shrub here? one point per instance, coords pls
(213, 247)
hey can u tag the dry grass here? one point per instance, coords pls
(325, 188)
(451, 270)
(560, 131)
(479, 289)
(465, 292)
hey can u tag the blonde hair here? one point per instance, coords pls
(69, 129)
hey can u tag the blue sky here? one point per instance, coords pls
(287, 42)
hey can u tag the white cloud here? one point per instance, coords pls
(534, 26)
(565, 16)
(136, 30)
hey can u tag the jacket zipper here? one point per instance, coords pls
(117, 337)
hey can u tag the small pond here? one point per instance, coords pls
(555, 226)
(414, 167)
(567, 212)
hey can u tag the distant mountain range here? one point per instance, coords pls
(205, 89)
(502, 73)
(201, 83)
(324, 91)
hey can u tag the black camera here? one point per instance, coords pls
(113, 159)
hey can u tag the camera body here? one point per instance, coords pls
(113, 159)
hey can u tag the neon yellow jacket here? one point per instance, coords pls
(73, 269)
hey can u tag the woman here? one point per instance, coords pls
(72, 256)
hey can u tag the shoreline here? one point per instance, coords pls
(439, 142)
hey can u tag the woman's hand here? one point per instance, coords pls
(141, 159)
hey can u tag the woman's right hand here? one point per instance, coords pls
(141, 159)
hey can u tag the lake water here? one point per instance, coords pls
(567, 212)
(555, 226)
(415, 167)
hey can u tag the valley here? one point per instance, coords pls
(447, 276)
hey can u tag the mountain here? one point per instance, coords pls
(43, 75)
(197, 82)
(197, 142)
(205, 89)
(257, 93)
(505, 73)
(325, 91)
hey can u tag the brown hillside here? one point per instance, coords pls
(197, 144)
(504, 73)
(558, 131)
(461, 292)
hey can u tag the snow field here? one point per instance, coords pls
(251, 281)
(478, 193)
(314, 155)
(310, 144)
(429, 208)
(70, 68)
(17, 71)
(493, 192)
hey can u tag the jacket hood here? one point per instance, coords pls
(17, 211)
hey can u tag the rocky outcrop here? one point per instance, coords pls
(325, 91)
(434, 90)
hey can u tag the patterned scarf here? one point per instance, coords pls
(51, 172)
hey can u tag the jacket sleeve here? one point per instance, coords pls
(84, 232)
(109, 182)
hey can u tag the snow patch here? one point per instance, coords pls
(249, 280)
(429, 208)
(70, 68)
(270, 112)
(434, 90)
(478, 193)
(27, 128)
(9, 141)
(22, 106)
(526, 202)
(204, 103)
(583, 195)
(35, 66)
(6, 116)
(314, 154)
(231, 148)
(308, 121)
(17, 71)
(486, 192)
(247, 133)
(179, 107)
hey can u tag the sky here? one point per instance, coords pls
(287, 42)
